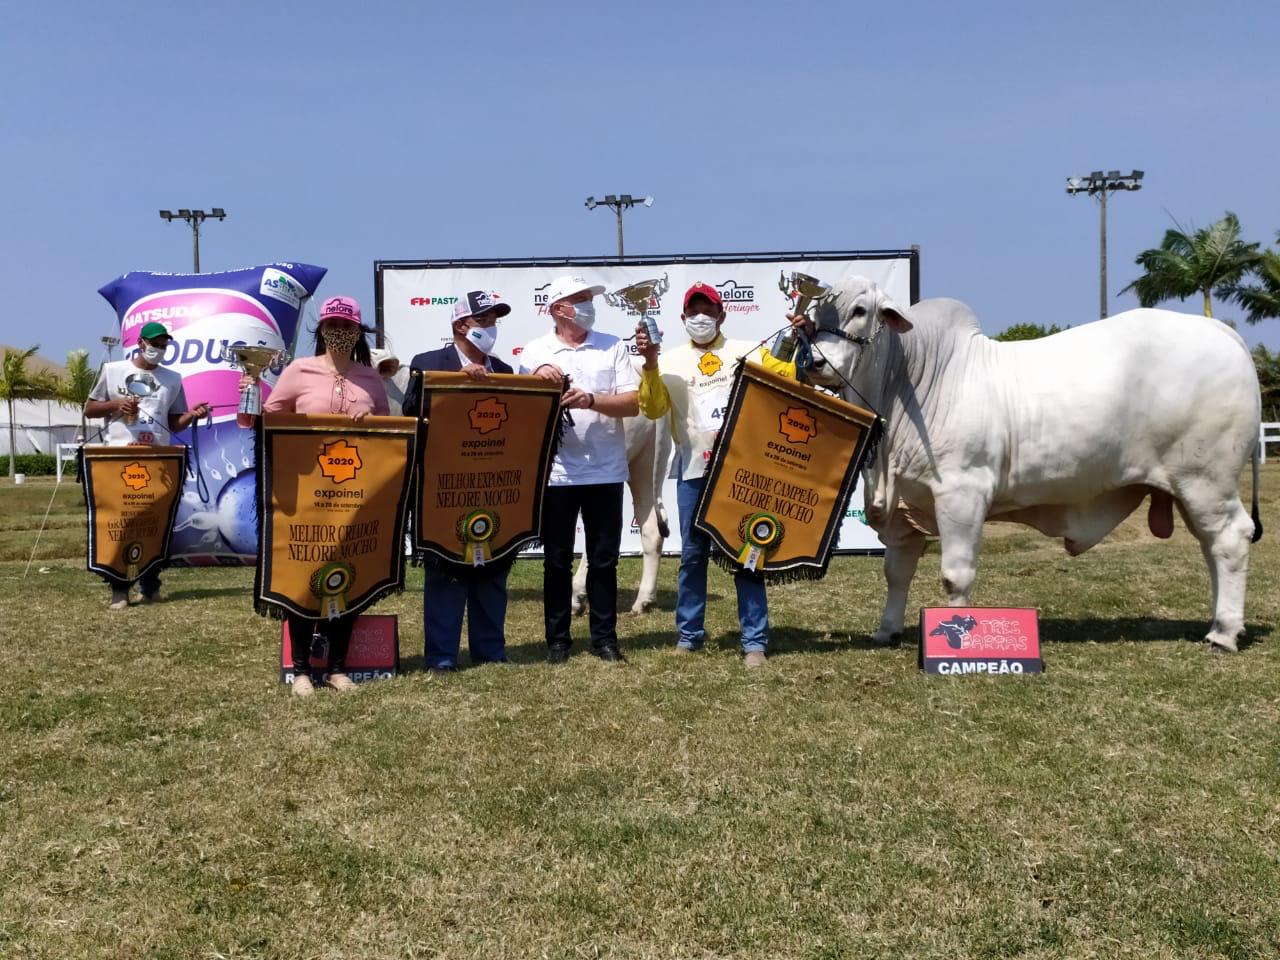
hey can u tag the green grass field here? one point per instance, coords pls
(163, 796)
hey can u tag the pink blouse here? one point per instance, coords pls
(309, 385)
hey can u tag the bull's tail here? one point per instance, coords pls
(1257, 520)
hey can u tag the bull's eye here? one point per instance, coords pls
(859, 311)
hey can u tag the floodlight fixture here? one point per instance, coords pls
(194, 218)
(1097, 184)
(618, 203)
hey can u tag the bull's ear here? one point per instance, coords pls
(893, 315)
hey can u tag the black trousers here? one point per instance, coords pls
(600, 505)
(327, 636)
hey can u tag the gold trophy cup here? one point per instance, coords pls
(804, 291)
(252, 360)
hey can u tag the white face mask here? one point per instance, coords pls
(584, 314)
(483, 338)
(701, 328)
(151, 354)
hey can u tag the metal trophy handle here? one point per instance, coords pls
(804, 289)
(639, 296)
(253, 360)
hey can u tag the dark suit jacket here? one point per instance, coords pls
(446, 358)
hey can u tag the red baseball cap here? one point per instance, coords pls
(701, 289)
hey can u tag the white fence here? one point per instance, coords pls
(1267, 433)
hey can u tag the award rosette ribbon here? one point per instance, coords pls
(482, 464)
(781, 474)
(132, 496)
(332, 496)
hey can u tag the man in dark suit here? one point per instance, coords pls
(452, 589)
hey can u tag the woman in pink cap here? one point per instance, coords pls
(337, 380)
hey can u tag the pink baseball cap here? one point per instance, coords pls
(343, 308)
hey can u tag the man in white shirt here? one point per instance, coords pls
(693, 387)
(144, 405)
(590, 465)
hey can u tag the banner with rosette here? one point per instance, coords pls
(132, 496)
(332, 495)
(781, 474)
(483, 463)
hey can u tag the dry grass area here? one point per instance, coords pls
(162, 796)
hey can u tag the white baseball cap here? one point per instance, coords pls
(562, 287)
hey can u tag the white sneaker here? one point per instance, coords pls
(119, 599)
(302, 685)
(755, 659)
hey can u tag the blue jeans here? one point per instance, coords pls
(691, 584)
(448, 592)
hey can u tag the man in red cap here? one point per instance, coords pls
(693, 390)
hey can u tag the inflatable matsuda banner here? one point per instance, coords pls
(781, 473)
(132, 496)
(482, 464)
(331, 495)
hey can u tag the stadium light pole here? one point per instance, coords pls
(110, 343)
(195, 218)
(619, 203)
(1099, 184)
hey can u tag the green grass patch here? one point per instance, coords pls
(162, 796)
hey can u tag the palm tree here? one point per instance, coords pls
(1262, 299)
(1268, 366)
(1212, 259)
(75, 387)
(19, 383)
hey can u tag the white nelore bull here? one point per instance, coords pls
(1068, 434)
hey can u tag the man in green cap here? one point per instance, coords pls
(143, 403)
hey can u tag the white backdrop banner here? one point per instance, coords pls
(415, 306)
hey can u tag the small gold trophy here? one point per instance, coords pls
(804, 291)
(252, 360)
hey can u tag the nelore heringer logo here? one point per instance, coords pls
(738, 297)
(540, 298)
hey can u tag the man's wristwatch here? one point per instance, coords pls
(591, 401)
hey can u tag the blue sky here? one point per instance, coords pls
(338, 134)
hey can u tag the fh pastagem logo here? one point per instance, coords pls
(738, 297)
(487, 415)
(797, 425)
(432, 301)
(339, 461)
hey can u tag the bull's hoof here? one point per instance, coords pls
(1222, 643)
(578, 606)
(642, 605)
(883, 638)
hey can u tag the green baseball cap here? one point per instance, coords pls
(153, 331)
